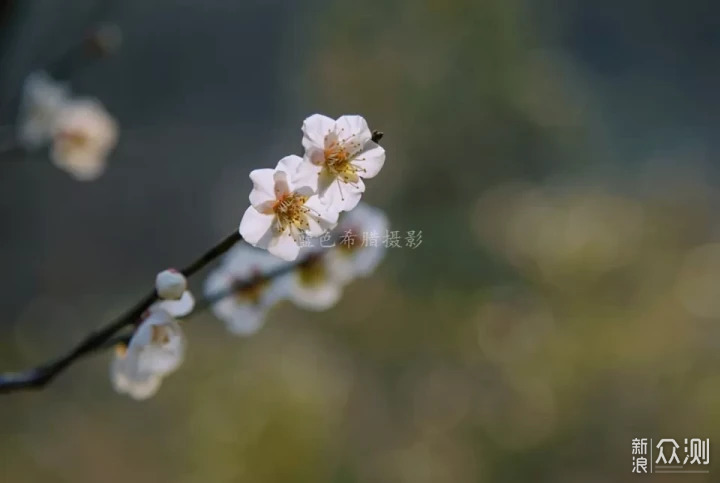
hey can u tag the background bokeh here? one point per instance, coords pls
(559, 157)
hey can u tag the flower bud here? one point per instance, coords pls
(170, 284)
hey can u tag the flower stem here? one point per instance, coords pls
(38, 377)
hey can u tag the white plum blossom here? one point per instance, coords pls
(284, 210)
(180, 307)
(364, 226)
(170, 284)
(338, 155)
(157, 346)
(156, 349)
(42, 98)
(243, 295)
(127, 380)
(83, 135)
(314, 283)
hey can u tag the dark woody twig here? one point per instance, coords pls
(38, 377)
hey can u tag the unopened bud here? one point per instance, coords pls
(170, 284)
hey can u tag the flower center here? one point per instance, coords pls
(73, 139)
(290, 210)
(350, 241)
(312, 272)
(338, 161)
(160, 335)
(253, 290)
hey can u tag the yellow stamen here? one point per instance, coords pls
(290, 210)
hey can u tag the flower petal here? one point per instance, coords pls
(263, 186)
(325, 215)
(342, 196)
(314, 129)
(181, 307)
(289, 164)
(370, 161)
(307, 175)
(281, 184)
(283, 245)
(246, 319)
(317, 297)
(353, 129)
(254, 225)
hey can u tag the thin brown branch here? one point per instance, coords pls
(38, 377)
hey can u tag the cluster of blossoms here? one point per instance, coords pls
(157, 347)
(79, 130)
(301, 199)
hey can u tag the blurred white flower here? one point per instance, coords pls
(315, 284)
(363, 226)
(244, 307)
(338, 155)
(157, 346)
(283, 211)
(170, 284)
(127, 380)
(83, 135)
(42, 98)
(178, 308)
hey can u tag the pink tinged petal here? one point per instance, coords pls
(284, 246)
(281, 184)
(289, 164)
(353, 131)
(254, 225)
(263, 186)
(314, 129)
(370, 161)
(266, 207)
(316, 156)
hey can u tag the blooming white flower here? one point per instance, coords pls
(314, 283)
(42, 98)
(284, 210)
(363, 226)
(157, 346)
(244, 306)
(338, 155)
(170, 284)
(83, 135)
(127, 380)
